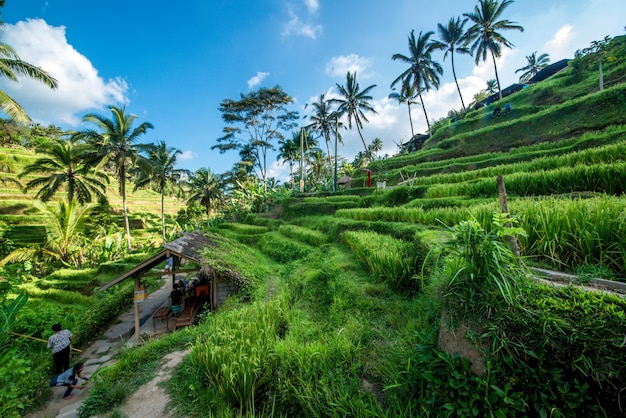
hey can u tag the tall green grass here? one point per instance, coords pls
(236, 357)
(308, 236)
(390, 259)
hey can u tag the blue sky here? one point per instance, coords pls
(172, 63)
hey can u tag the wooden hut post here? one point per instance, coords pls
(136, 303)
(505, 209)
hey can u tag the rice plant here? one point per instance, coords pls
(388, 258)
(236, 356)
(308, 236)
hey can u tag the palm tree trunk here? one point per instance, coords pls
(493, 57)
(163, 214)
(456, 81)
(408, 103)
(330, 157)
(361, 135)
(419, 93)
(601, 75)
(123, 190)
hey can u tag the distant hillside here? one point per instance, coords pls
(17, 210)
(565, 106)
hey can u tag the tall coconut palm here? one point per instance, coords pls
(161, 172)
(407, 94)
(452, 39)
(354, 103)
(484, 34)
(10, 67)
(535, 64)
(116, 142)
(423, 73)
(205, 188)
(67, 166)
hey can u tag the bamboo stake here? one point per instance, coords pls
(37, 339)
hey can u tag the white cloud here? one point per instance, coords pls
(339, 66)
(187, 155)
(299, 28)
(80, 88)
(561, 42)
(257, 79)
(279, 171)
(312, 5)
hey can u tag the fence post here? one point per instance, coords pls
(505, 209)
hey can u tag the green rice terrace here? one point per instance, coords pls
(404, 301)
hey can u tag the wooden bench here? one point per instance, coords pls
(187, 315)
(161, 314)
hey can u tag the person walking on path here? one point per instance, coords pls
(59, 343)
(69, 378)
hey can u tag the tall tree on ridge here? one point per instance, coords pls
(534, 65)
(485, 35)
(117, 143)
(257, 121)
(452, 39)
(423, 73)
(354, 103)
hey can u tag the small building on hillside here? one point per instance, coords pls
(344, 182)
(549, 71)
(207, 286)
(414, 144)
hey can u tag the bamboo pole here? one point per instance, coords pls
(37, 339)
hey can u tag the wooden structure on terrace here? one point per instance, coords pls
(214, 289)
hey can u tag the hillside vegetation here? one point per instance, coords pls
(410, 301)
(27, 223)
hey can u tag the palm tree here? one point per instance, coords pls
(205, 188)
(485, 33)
(407, 94)
(375, 147)
(10, 67)
(535, 64)
(161, 172)
(288, 152)
(322, 122)
(64, 234)
(453, 39)
(423, 73)
(116, 143)
(354, 103)
(67, 165)
(492, 86)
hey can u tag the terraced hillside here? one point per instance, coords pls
(17, 210)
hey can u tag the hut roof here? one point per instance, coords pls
(344, 180)
(190, 246)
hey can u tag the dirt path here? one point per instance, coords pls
(150, 400)
(103, 352)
